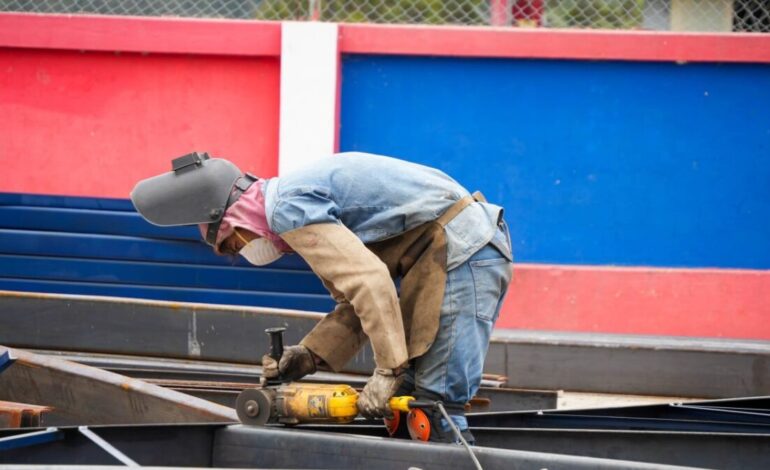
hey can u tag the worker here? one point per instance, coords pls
(365, 224)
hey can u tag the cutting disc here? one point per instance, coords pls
(254, 407)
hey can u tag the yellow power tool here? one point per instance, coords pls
(295, 402)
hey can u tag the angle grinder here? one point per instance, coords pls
(278, 401)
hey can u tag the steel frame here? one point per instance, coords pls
(84, 395)
(239, 446)
(685, 367)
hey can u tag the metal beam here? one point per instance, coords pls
(20, 415)
(244, 446)
(120, 326)
(107, 447)
(26, 439)
(747, 415)
(166, 446)
(221, 382)
(685, 367)
(85, 395)
(631, 364)
(708, 450)
(711, 450)
(275, 447)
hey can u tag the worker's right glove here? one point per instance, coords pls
(296, 362)
(381, 386)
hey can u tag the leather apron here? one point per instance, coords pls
(419, 258)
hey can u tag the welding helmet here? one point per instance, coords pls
(197, 190)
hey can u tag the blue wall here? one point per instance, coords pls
(617, 163)
(100, 246)
(599, 163)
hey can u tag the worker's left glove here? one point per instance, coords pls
(381, 386)
(296, 362)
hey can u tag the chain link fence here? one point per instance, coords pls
(676, 15)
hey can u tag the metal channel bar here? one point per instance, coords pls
(180, 330)
(727, 411)
(710, 450)
(707, 415)
(220, 382)
(13, 414)
(737, 408)
(185, 369)
(256, 446)
(263, 447)
(684, 367)
(29, 439)
(83, 395)
(5, 360)
(107, 447)
(577, 421)
(531, 360)
(150, 445)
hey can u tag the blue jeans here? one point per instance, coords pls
(474, 294)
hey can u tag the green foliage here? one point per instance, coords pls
(282, 10)
(608, 14)
(558, 13)
(381, 11)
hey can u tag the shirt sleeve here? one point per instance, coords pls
(336, 255)
(305, 207)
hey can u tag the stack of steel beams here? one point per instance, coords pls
(106, 390)
(625, 364)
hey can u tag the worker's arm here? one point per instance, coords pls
(348, 267)
(338, 337)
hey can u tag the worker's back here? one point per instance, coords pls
(374, 196)
(378, 197)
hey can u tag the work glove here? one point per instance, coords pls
(296, 362)
(381, 386)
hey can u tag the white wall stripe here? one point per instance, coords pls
(308, 124)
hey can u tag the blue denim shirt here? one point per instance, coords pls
(378, 197)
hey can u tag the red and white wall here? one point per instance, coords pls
(629, 213)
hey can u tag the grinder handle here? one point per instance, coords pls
(407, 403)
(276, 342)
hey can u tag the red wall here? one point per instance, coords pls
(90, 105)
(114, 118)
(655, 301)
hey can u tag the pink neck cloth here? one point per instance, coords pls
(247, 213)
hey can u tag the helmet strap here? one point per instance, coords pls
(239, 187)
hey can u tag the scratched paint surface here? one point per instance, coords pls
(92, 124)
(596, 163)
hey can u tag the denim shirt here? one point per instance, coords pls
(379, 197)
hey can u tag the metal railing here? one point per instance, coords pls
(676, 15)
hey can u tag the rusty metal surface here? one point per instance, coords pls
(86, 395)
(279, 447)
(684, 367)
(221, 382)
(179, 330)
(506, 399)
(631, 364)
(21, 415)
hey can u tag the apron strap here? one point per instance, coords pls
(458, 207)
(478, 197)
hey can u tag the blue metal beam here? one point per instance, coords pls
(5, 360)
(30, 439)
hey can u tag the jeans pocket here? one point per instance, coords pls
(490, 280)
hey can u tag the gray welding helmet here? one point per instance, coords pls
(197, 190)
